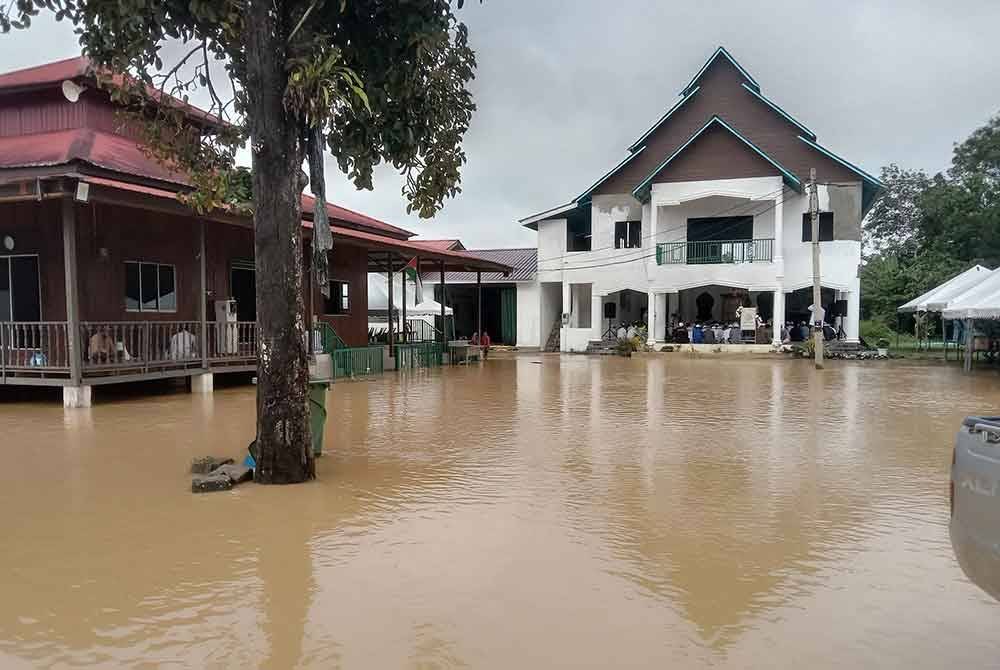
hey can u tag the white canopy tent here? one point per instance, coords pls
(979, 302)
(939, 297)
(378, 298)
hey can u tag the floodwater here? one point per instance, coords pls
(533, 512)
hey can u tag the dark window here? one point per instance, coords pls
(578, 233)
(720, 228)
(20, 299)
(150, 287)
(825, 227)
(628, 234)
(339, 301)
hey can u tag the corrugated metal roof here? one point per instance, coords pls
(523, 263)
(452, 245)
(112, 152)
(338, 213)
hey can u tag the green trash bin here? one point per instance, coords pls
(317, 414)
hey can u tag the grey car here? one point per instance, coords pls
(975, 501)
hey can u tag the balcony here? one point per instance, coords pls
(715, 252)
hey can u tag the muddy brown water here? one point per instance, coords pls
(537, 511)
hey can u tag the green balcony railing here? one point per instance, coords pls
(715, 251)
(357, 361)
(418, 355)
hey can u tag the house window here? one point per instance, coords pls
(150, 287)
(628, 234)
(825, 227)
(578, 234)
(339, 301)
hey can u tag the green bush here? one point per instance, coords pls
(873, 330)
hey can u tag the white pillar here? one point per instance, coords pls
(654, 233)
(778, 251)
(652, 318)
(663, 317)
(852, 322)
(566, 309)
(596, 316)
(673, 304)
(203, 383)
(76, 397)
(779, 316)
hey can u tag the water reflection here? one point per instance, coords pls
(598, 512)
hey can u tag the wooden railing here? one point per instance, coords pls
(715, 252)
(232, 342)
(108, 346)
(35, 347)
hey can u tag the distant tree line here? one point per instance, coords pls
(925, 229)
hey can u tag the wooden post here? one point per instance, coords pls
(72, 295)
(402, 333)
(969, 342)
(479, 303)
(388, 260)
(817, 293)
(444, 321)
(203, 300)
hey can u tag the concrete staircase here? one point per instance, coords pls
(602, 347)
(842, 348)
(552, 344)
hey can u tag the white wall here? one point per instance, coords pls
(550, 309)
(528, 314)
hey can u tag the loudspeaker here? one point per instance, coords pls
(609, 310)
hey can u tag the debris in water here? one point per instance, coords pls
(205, 464)
(212, 482)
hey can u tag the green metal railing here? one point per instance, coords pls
(418, 355)
(329, 338)
(715, 251)
(357, 361)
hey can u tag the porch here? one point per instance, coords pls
(39, 353)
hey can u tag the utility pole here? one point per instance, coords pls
(817, 294)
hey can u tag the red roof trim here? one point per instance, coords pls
(350, 216)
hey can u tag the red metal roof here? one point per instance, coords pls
(338, 213)
(104, 150)
(447, 245)
(49, 73)
(80, 67)
(453, 259)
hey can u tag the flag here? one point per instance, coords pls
(411, 271)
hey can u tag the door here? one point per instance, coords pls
(20, 294)
(508, 315)
(243, 289)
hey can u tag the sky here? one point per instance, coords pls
(563, 87)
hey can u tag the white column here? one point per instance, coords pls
(852, 322)
(779, 231)
(596, 316)
(76, 397)
(566, 309)
(652, 318)
(779, 316)
(203, 383)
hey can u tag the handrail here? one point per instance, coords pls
(357, 361)
(704, 252)
(418, 355)
(329, 338)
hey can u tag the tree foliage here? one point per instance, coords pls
(926, 230)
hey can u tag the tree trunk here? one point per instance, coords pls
(283, 439)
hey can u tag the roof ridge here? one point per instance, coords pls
(50, 63)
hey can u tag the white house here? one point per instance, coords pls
(707, 212)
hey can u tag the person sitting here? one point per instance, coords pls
(474, 340)
(621, 333)
(708, 335)
(101, 348)
(803, 331)
(182, 345)
(631, 332)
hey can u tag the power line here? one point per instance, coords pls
(682, 226)
(647, 256)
